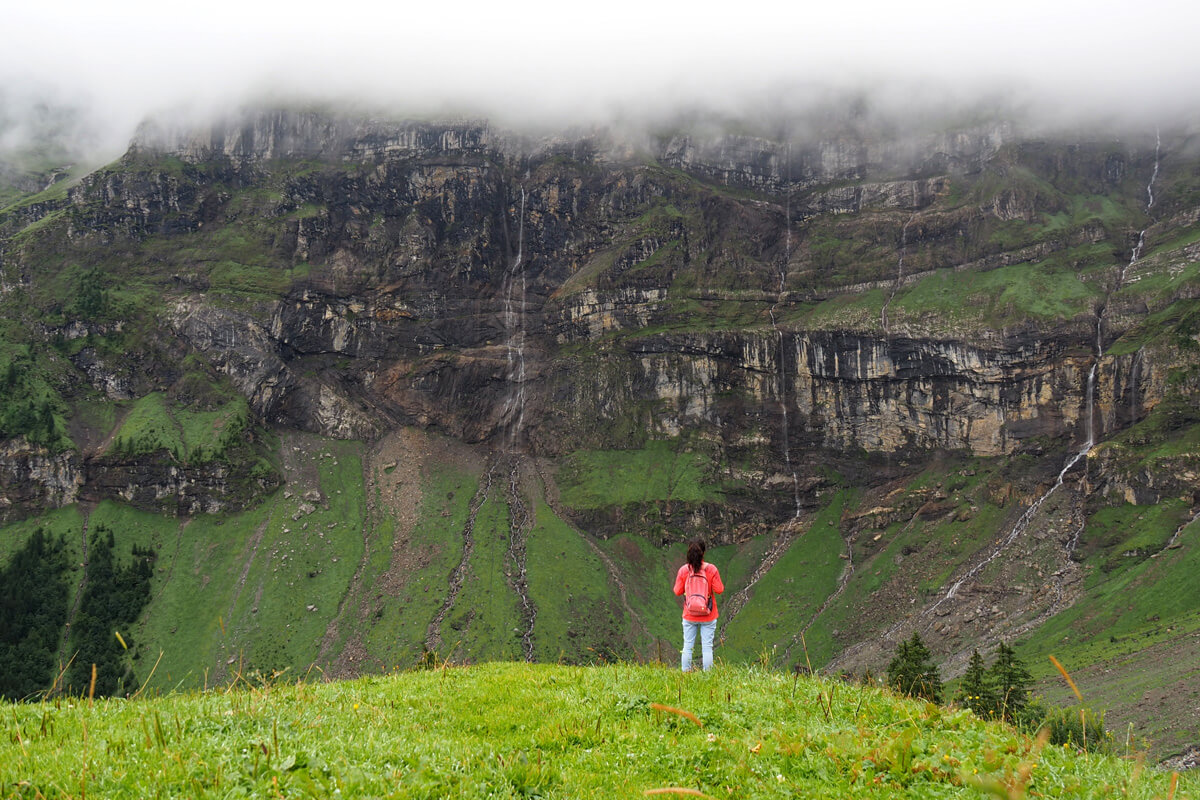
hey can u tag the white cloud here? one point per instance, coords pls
(533, 57)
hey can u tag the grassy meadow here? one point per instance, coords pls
(504, 730)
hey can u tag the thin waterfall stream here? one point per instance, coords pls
(513, 411)
(883, 313)
(782, 386)
(513, 417)
(1090, 413)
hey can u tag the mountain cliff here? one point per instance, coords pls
(936, 378)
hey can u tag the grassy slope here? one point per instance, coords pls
(485, 620)
(1137, 621)
(152, 424)
(787, 598)
(66, 522)
(397, 634)
(235, 588)
(505, 730)
(578, 606)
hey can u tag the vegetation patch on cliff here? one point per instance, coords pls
(660, 471)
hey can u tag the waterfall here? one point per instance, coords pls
(1154, 174)
(783, 269)
(513, 417)
(513, 412)
(1121, 278)
(1141, 240)
(883, 313)
(1017, 529)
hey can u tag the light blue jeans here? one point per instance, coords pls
(707, 631)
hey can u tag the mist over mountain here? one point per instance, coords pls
(537, 63)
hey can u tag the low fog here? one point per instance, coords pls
(552, 64)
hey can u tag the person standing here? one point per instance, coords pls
(698, 582)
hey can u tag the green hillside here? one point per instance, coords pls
(507, 730)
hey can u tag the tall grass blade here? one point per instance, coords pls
(1063, 671)
(678, 711)
(677, 790)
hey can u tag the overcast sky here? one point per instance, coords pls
(533, 58)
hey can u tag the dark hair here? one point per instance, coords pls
(695, 556)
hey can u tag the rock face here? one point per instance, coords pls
(550, 290)
(886, 395)
(157, 484)
(32, 477)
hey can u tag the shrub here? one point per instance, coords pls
(1077, 726)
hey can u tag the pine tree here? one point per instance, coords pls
(913, 672)
(33, 610)
(114, 598)
(1010, 683)
(976, 692)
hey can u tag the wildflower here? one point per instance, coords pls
(712, 737)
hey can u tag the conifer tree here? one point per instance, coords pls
(975, 692)
(1010, 683)
(33, 610)
(114, 597)
(913, 672)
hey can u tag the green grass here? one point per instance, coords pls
(149, 428)
(662, 470)
(789, 595)
(195, 436)
(579, 613)
(485, 621)
(232, 276)
(397, 633)
(1126, 595)
(1054, 290)
(859, 311)
(1041, 291)
(65, 522)
(233, 591)
(1083, 210)
(1121, 534)
(514, 730)
(281, 616)
(1130, 639)
(197, 570)
(649, 575)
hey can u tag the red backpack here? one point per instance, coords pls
(697, 595)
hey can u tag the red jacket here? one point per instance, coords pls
(714, 583)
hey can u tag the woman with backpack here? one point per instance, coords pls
(698, 582)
